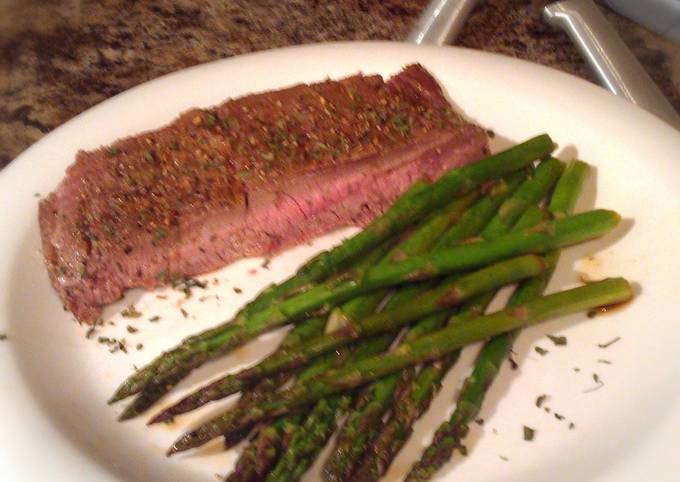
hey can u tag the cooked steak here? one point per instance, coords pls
(248, 177)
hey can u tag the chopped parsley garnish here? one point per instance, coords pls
(185, 285)
(540, 399)
(558, 340)
(598, 384)
(541, 351)
(130, 312)
(609, 343)
(232, 123)
(210, 119)
(529, 433)
(401, 124)
(158, 235)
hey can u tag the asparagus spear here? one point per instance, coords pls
(420, 241)
(542, 238)
(430, 347)
(395, 220)
(449, 434)
(364, 422)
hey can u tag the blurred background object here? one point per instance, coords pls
(661, 16)
(57, 59)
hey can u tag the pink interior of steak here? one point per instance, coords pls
(250, 177)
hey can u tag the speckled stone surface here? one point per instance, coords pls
(59, 58)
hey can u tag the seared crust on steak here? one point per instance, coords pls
(248, 177)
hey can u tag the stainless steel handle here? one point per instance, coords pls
(441, 21)
(615, 66)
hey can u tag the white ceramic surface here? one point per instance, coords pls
(55, 424)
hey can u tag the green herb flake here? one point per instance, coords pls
(130, 312)
(598, 384)
(609, 343)
(529, 433)
(112, 151)
(186, 284)
(540, 400)
(139, 346)
(154, 319)
(503, 458)
(90, 332)
(210, 119)
(244, 174)
(604, 362)
(148, 155)
(158, 235)
(558, 340)
(81, 270)
(132, 329)
(232, 123)
(184, 313)
(541, 351)
(558, 416)
(3, 337)
(174, 146)
(237, 290)
(401, 124)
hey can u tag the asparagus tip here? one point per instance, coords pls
(158, 418)
(117, 397)
(172, 451)
(129, 413)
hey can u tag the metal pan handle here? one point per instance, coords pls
(615, 66)
(441, 21)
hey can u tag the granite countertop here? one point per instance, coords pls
(57, 59)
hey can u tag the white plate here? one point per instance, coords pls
(55, 425)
